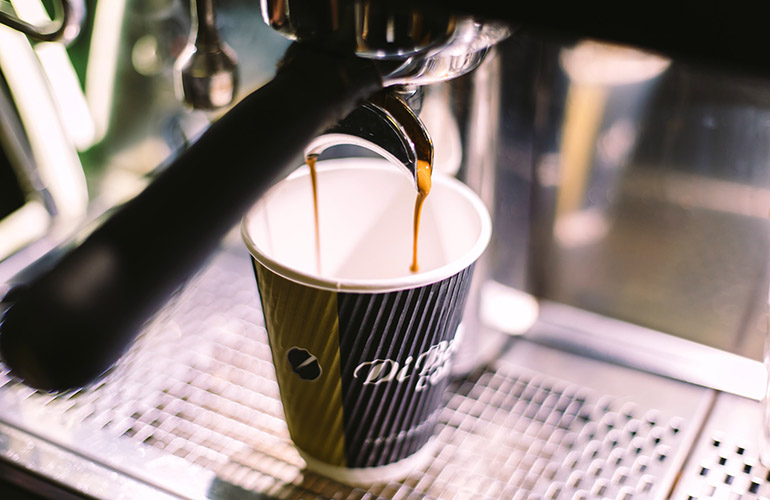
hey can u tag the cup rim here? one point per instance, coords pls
(382, 285)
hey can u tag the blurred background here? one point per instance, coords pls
(623, 295)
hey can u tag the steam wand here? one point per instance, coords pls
(206, 72)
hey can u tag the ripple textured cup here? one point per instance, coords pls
(363, 349)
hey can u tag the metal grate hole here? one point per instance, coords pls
(731, 471)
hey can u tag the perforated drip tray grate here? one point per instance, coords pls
(730, 468)
(199, 385)
(503, 434)
(725, 460)
(512, 435)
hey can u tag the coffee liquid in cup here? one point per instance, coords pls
(424, 171)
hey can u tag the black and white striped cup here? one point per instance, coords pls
(363, 349)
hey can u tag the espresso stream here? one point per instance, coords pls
(310, 160)
(424, 170)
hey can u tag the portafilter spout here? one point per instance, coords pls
(386, 125)
(412, 45)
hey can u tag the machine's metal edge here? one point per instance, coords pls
(82, 473)
(589, 334)
(699, 421)
(69, 470)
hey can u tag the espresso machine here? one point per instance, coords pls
(613, 342)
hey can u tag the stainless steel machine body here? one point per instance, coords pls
(618, 317)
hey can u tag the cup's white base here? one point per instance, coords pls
(367, 475)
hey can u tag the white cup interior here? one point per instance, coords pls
(366, 213)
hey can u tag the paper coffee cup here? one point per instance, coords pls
(363, 350)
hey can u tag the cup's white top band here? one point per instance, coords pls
(366, 210)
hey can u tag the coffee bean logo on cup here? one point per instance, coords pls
(303, 363)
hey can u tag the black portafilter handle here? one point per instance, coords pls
(72, 323)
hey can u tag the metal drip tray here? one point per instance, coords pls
(725, 460)
(193, 411)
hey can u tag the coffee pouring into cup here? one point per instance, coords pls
(68, 325)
